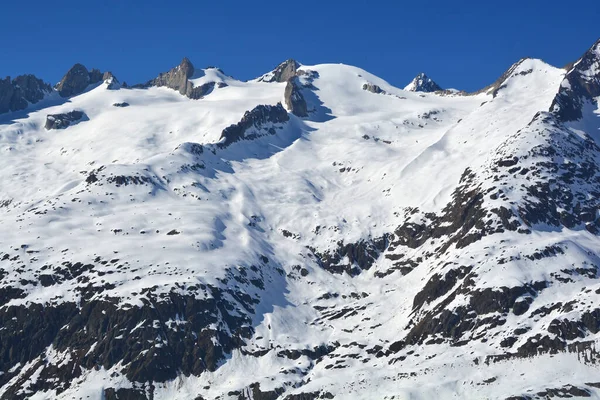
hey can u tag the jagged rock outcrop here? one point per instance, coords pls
(62, 121)
(294, 100)
(422, 83)
(24, 89)
(176, 78)
(261, 120)
(371, 87)
(77, 79)
(283, 72)
(201, 91)
(581, 85)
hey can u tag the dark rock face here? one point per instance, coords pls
(123, 104)
(294, 100)
(371, 87)
(124, 394)
(74, 82)
(361, 256)
(78, 78)
(15, 95)
(176, 78)
(254, 393)
(283, 72)
(255, 119)
(201, 91)
(309, 396)
(144, 339)
(62, 121)
(581, 84)
(423, 83)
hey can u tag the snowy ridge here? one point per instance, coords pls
(366, 243)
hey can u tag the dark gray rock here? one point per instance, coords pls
(201, 91)
(423, 83)
(17, 94)
(255, 119)
(62, 121)
(95, 76)
(352, 258)
(253, 392)
(123, 104)
(294, 100)
(176, 78)
(283, 72)
(370, 87)
(124, 394)
(75, 81)
(581, 84)
(30, 88)
(78, 78)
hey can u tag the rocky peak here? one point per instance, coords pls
(77, 79)
(16, 94)
(186, 67)
(422, 83)
(581, 84)
(283, 72)
(176, 78)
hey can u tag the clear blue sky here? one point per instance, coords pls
(460, 44)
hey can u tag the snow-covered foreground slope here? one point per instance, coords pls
(367, 243)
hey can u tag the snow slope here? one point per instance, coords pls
(391, 245)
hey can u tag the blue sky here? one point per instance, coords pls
(460, 44)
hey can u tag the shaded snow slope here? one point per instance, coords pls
(391, 244)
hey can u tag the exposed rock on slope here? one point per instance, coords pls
(179, 78)
(282, 73)
(62, 121)
(77, 79)
(15, 95)
(176, 78)
(371, 87)
(260, 121)
(294, 99)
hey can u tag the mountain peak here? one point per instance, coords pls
(77, 79)
(187, 67)
(581, 85)
(422, 83)
(17, 93)
(282, 72)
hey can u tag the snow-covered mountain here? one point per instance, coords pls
(422, 83)
(314, 233)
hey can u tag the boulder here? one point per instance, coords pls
(371, 87)
(62, 121)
